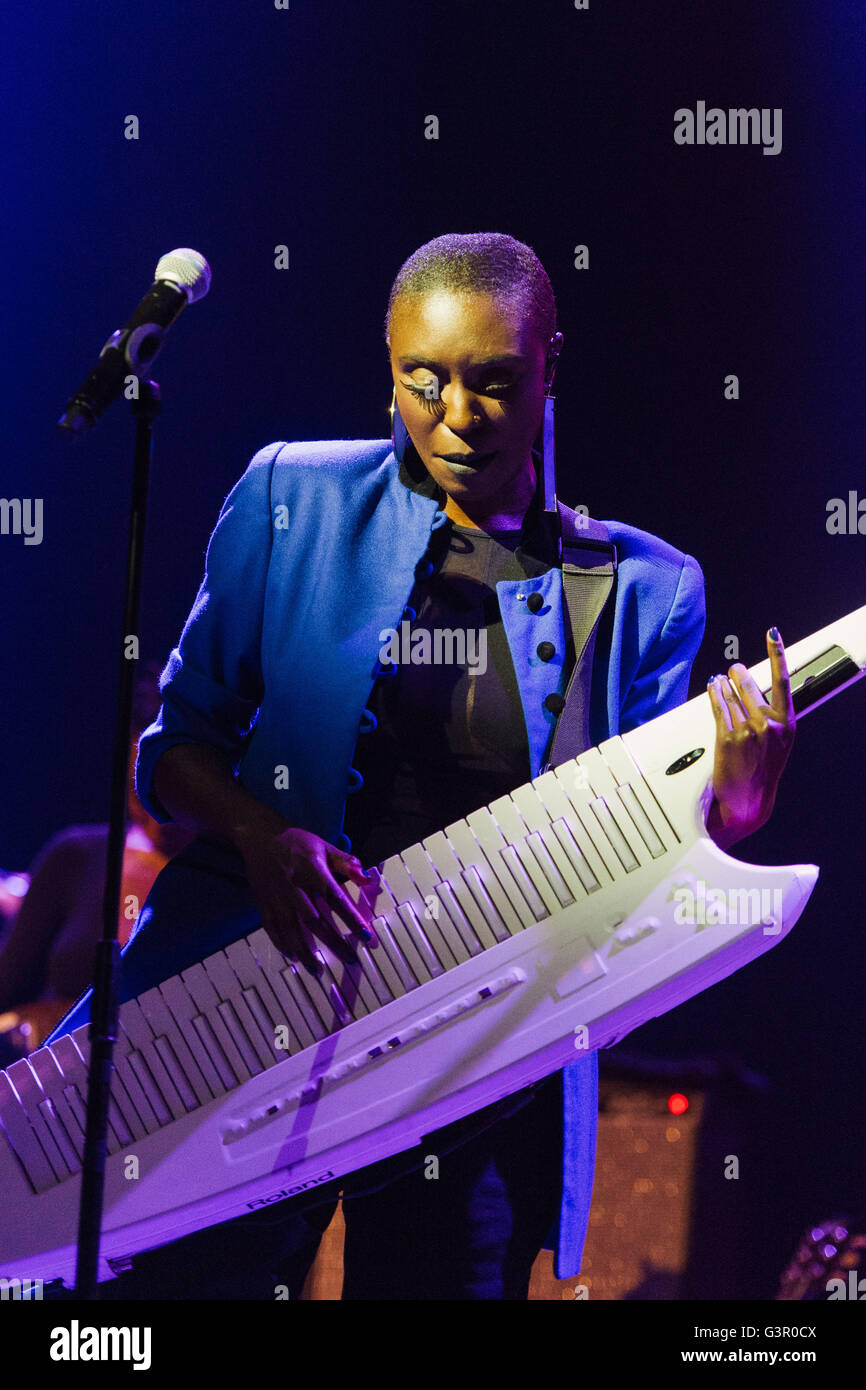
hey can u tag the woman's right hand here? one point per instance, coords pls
(288, 870)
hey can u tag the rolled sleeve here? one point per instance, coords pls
(211, 687)
(662, 681)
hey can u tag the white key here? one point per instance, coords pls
(395, 938)
(23, 1138)
(52, 1081)
(530, 807)
(293, 977)
(451, 870)
(606, 793)
(419, 939)
(140, 1034)
(253, 976)
(576, 858)
(549, 868)
(234, 1011)
(370, 964)
(352, 990)
(426, 880)
(127, 1089)
(164, 1025)
(628, 774)
(559, 857)
(489, 836)
(384, 964)
(342, 1014)
(644, 826)
(30, 1094)
(172, 1064)
(582, 822)
(143, 1075)
(406, 890)
(265, 1025)
(318, 989)
(207, 1001)
(622, 848)
(49, 1111)
(272, 963)
(477, 887)
(381, 904)
(539, 881)
(551, 789)
(73, 1069)
(412, 952)
(206, 1034)
(511, 824)
(116, 1123)
(450, 904)
(537, 906)
(477, 868)
(396, 960)
(183, 1010)
(226, 1009)
(75, 1101)
(351, 981)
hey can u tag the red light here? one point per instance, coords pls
(677, 1103)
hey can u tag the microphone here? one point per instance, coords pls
(181, 277)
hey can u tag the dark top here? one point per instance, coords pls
(451, 734)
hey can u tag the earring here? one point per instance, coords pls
(399, 432)
(548, 452)
(548, 457)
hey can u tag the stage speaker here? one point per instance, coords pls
(667, 1219)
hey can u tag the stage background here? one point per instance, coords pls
(305, 127)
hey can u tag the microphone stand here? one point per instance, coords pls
(104, 1006)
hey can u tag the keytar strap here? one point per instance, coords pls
(588, 575)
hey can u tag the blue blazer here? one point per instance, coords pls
(315, 552)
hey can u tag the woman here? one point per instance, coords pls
(318, 550)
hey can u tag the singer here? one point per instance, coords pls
(283, 741)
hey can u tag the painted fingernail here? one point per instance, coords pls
(365, 934)
(774, 635)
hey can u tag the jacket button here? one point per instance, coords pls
(546, 650)
(534, 602)
(343, 842)
(355, 782)
(423, 569)
(439, 519)
(554, 703)
(368, 722)
(409, 613)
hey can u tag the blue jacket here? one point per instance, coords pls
(315, 552)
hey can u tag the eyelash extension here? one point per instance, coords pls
(431, 403)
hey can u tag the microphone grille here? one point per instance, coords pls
(187, 269)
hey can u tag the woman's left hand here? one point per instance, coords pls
(753, 740)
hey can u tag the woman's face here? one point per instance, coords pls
(486, 364)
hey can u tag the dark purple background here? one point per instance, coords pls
(305, 127)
